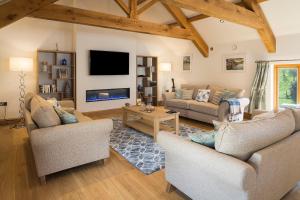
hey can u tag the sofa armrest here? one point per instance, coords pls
(168, 95)
(203, 165)
(67, 104)
(224, 108)
(65, 146)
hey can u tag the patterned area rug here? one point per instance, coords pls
(139, 148)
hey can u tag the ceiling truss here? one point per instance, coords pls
(247, 13)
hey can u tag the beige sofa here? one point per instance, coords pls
(201, 111)
(61, 147)
(252, 160)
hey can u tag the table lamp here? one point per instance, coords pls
(21, 65)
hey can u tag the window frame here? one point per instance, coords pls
(276, 83)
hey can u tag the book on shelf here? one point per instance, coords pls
(46, 89)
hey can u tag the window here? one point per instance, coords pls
(286, 85)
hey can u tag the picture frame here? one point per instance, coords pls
(186, 63)
(234, 63)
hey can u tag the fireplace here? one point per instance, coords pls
(107, 94)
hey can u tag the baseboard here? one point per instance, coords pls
(104, 112)
(247, 115)
(8, 121)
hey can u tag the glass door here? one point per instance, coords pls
(286, 85)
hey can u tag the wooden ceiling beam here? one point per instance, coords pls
(221, 9)
(146, 6)
(266, 34)
(201, 16)
(133, 9)
(123, 6)
(183, 22)
(92, 18)
(14, 10)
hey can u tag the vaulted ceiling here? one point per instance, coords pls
(185, 14)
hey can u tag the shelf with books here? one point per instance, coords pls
(57, 72)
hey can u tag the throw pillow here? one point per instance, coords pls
(53, 101)
(204, 138)
(65, 117)
(227, 94)
(203, 95)
(178, 94)
(43, 113)
(187, 94)
(217, 97)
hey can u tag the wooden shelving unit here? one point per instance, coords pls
(57, 74)
(146, 80)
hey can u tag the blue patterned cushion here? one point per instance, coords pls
(65, 117)
(204, 138)
(203, 95)
(178, 94)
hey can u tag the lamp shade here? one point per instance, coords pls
(165, 67)
(20, 64)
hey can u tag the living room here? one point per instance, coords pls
(186, 52)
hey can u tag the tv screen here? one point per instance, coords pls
(109, 63)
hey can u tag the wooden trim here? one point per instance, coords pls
(276, 68)
(146, 6)
(133, 9)
(266, 33)
(221, 9)
(14, 10)
(178, 14)
(92, 18)
(123, 6)
(201, 16)
(9, 121)
(104, 112)
(170, 188)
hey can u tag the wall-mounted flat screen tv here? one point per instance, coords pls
(109, 63)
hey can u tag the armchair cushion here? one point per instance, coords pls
(207, 108)
(43, 113)
(178, 103)
(242, 139)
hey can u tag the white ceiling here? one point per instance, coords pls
(283, 17)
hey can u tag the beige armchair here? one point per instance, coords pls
(61, 147)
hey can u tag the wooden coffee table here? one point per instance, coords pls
(150, 123)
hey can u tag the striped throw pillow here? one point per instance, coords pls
(187, 94)
(217, 97)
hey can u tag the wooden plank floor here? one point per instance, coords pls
(116, 179)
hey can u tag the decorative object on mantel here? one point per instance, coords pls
(234, 63)
(173, 85)
(63, 61)
(127, 104)
(21, 65)
(187, 63)
(67, 90)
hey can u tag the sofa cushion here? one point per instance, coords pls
(80, 117)
(65, 117)
(239, 92)
(202, 95)
(217, 97)
(203, 107)
(194, 87)
(177, 103)
(43, 113)
(187, 94)
(296, 113)
(242, 139)
(28, 98)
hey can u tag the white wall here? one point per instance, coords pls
(22, 39)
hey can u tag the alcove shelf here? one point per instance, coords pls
(146, 79)
(57, 74)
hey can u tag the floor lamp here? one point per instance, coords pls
(166, 69)
(21, 65)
